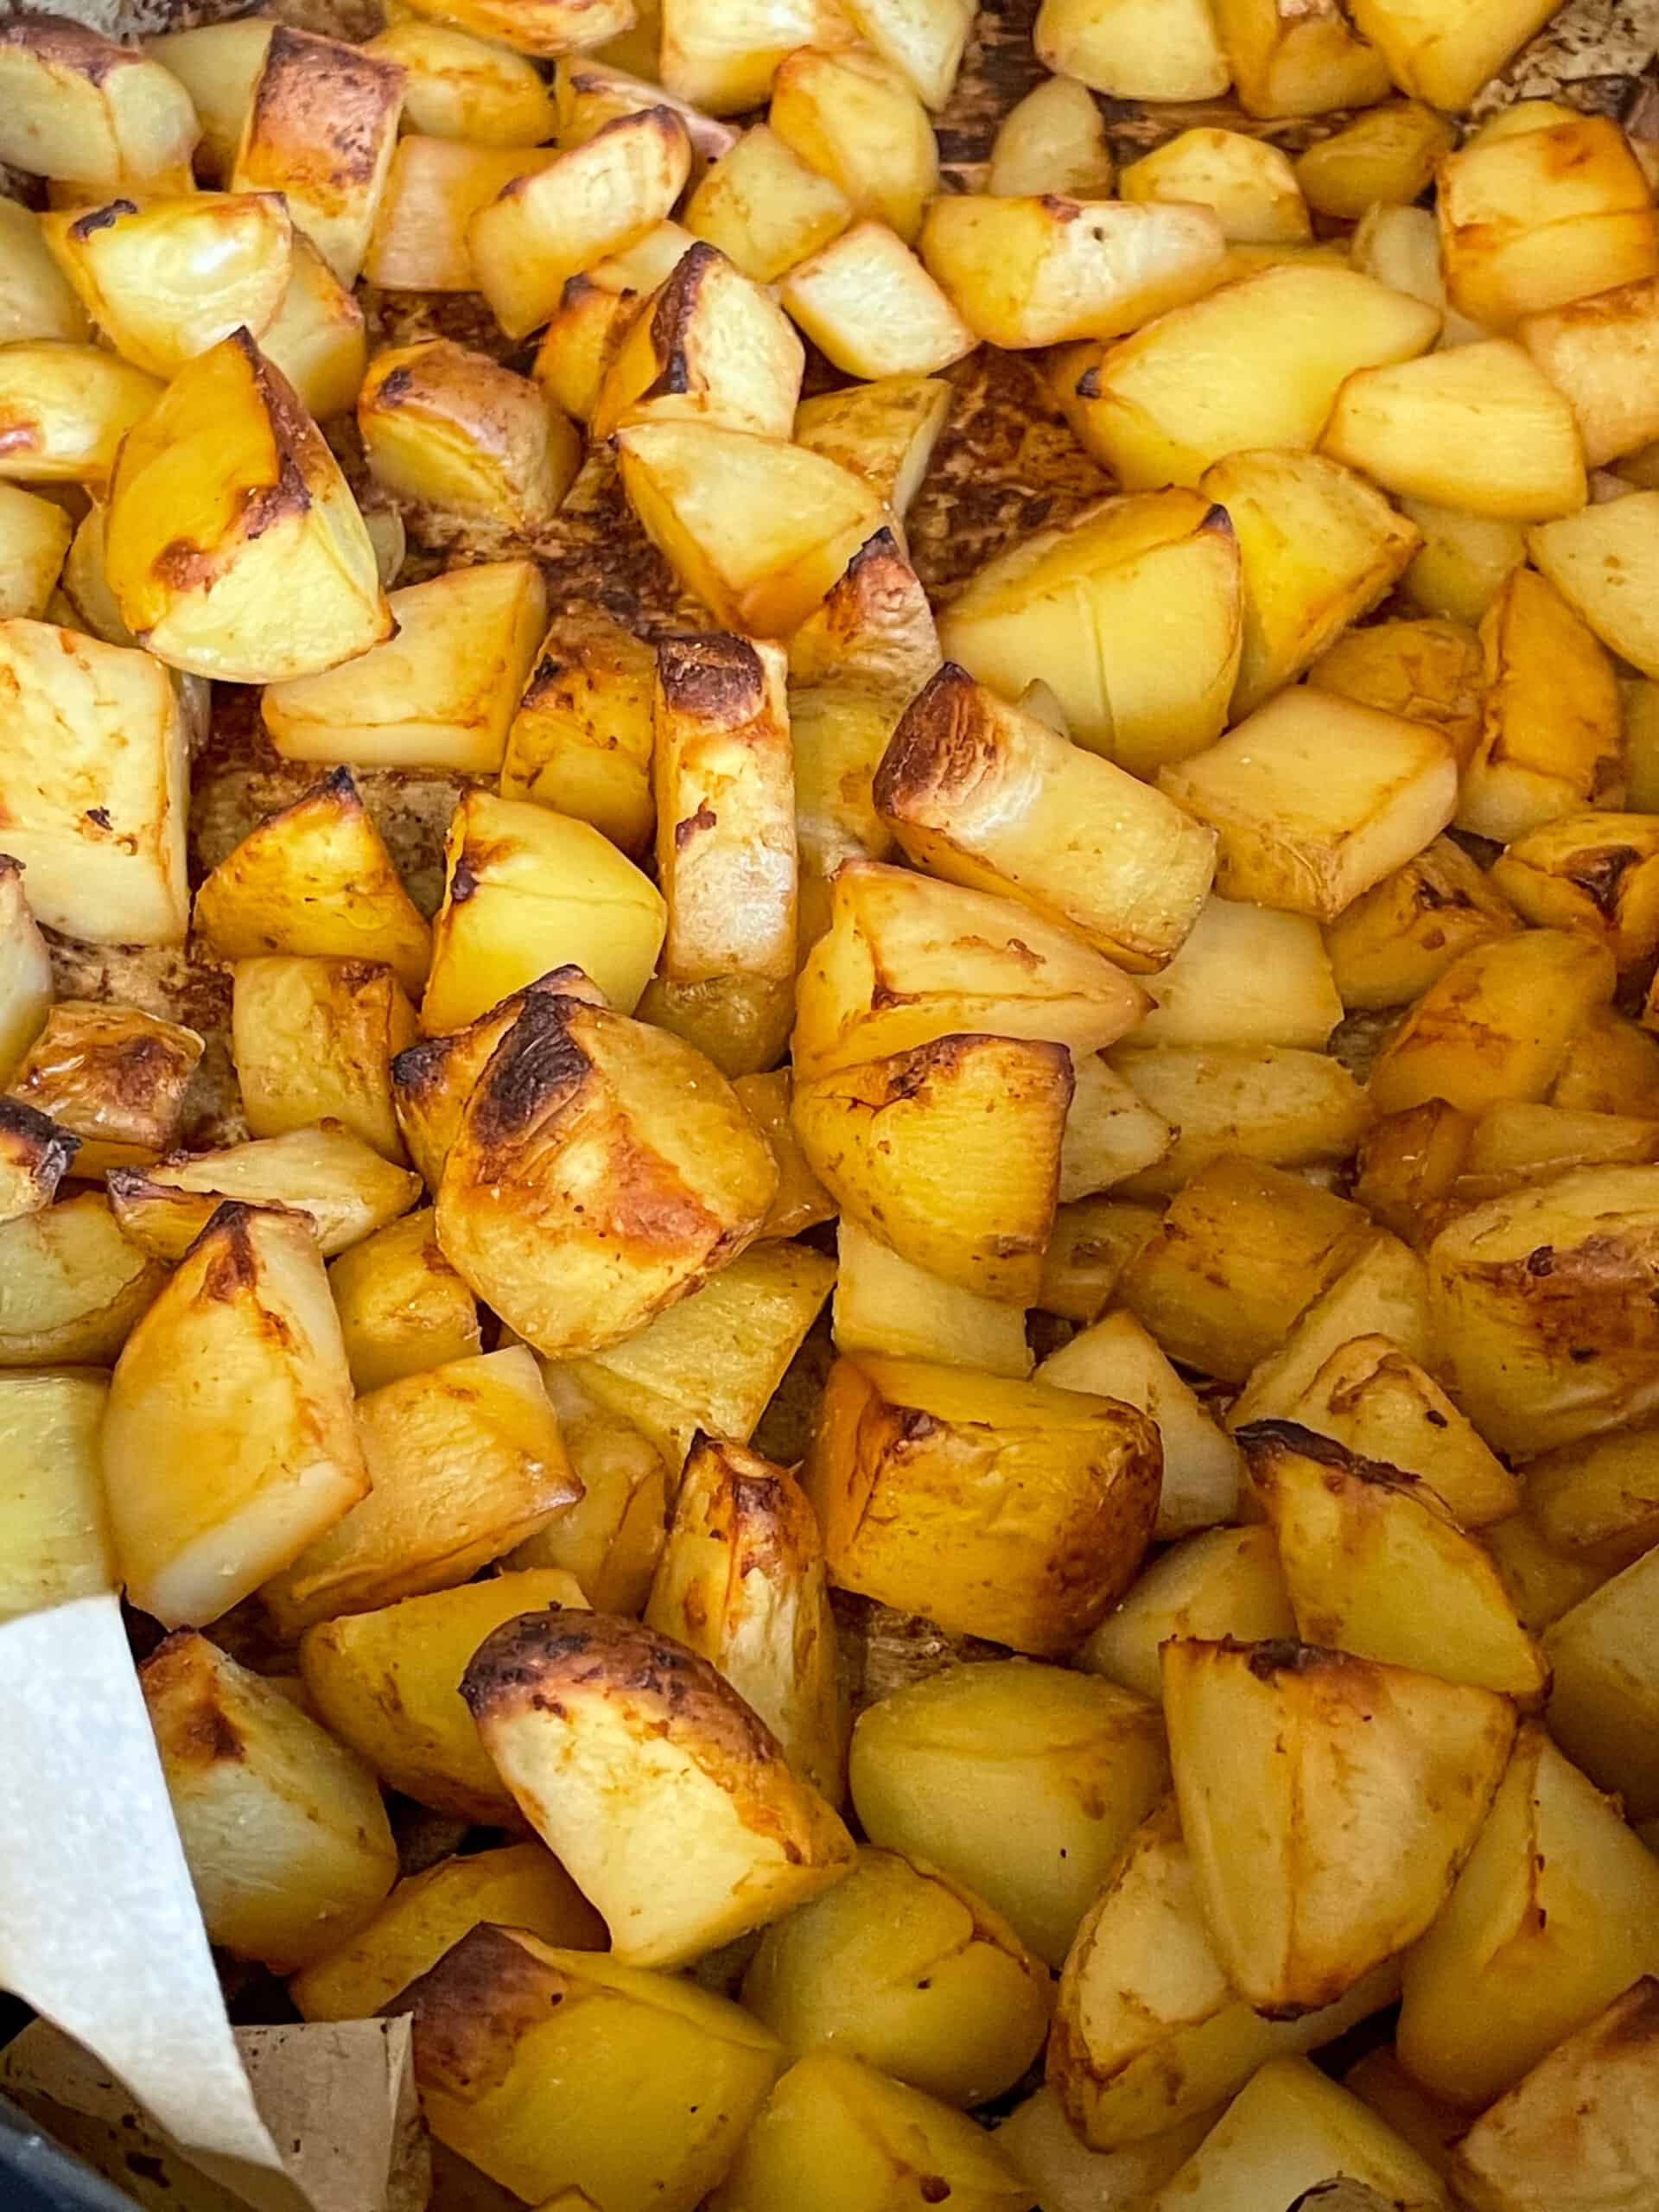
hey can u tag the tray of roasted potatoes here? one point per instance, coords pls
(829, 1104)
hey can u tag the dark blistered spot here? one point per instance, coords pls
(463, 883)
(396, 386)
(933, 2189)
(1542, 1262)
(101, 219)
(704, 818)
(99, 817)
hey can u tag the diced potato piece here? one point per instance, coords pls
(802, 1202)
(338, 1187)
(1445, 52)
(1290, 2126)
(1597, 873)
(853, 117)
(317, 339)
(1110, 1132)
(1134, 49)
(1401, 246)
(1597, 1500)
(1314, 798)
(1550, 742)
(1353, 1534)
(1155, 579)
(1318, 548)
(1063, 2175)
(1428, 672)
(1397, 940)
(1221, 1582)
(434, 189)
(581, 1712)
(95, 785)
(77, 106)
(1386, 157)
(52, 1506)
(1248, 182)
(581, 739)
(402, 1307)
(507, 2028)
(1428, 2123)
(1243, 1251)
(884, 432)
(1464, 560)
(538, 27)
(1604, 561)
(611, 1538)
(764, 208)
(1147, 2032)
(458, 87)
(1020, 1782)
(1579, 2124)
(1054, 139)
(387, 1682)
(65, 409)
(1611, 1067)
(906, 961)
(36, 300)
(1599, 352)
(513, 1886)
(1543, 1582)
(1604, 1709)
(924, 43)
(709, 345)
(35, 1155)
(581, 341)
(71, 1285)
(1298, 57)
(218, 64)
(233, 545)
(455, 430)
(1093, 1242)
(1255, 1101)
(1517, 1142)
(759, 529)
(1479, 428)
(871, 308)
(725, 60)
(314, 1040)
(1246, 975)
(602, 1170)
(1383, 1291)
(525, 889)
(1045, 270)
(35, 534)
(592, 90)
(1006, 1509)
(884, 1304)
(112, 1077)
(283, 1830)
(594, 199)
(1554, 1915)
(214, 1489)
(1327, 1803)
(1116, 1358)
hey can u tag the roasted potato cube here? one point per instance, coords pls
(1517, 1142)
(592, 90)
(1598, 352)
(582, 1712)
(338, 1187)
(71, 1285)
(1604, 1709)
(433, 190)
(465, 1461)
(580, 742)
(1397, 940)
(1597, 1500)
(453, 430)
(112, 1077)
(582, 339)
(983, 794)
(1550, 737)
(1543, 1582)
(1443, 51)
(884, 1304)
(1054, 139)
(759, 529)
(35, 1155)
(1416, 427)
(1318, 547)
(540, 27)
(1022, 1783)
(1144, 572)
(906, 961)
(1464, 560)
(1428, 672)
(1110, 1132)
(575, 1093)
(95, 784)
(35, 534)
(314, 1040)
(1366, 1786)
(56, 1523)
(388, 1683)
(741, 1583)
(36, 300)
(1385, 157)
(709, 345)
(923, 43)
(592, 201)
(65, 409)
(725, 60)
(1001, 1509)
(1148, 2033)
(233, 545)
(1246, 975)
(611, 1538)
(1220, 1582)
(846, 1971)
(215, 1486)
(871, 308)
(218, 64)
(853, 117)
(315, 879)
(1288, 57)
(765, 208)
(1381, 1290)
(884, 432)
(402, 1307)
(283, 1830)
(79, 107)
(1552, 1917)
(1597, 873)
(26, 988)
(458, 87)
(1401, 246)
(1603, 562)
(1248, 182)
(1134, 49)
(1315, 798)
(317, 339)
(1610, 1067)
(1062, 2173)
(1255, 1101)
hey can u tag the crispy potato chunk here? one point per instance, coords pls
(55, 1521)
(1384, 158)
(71, 1285)
(1604, 1709)
(215, 1488)
(611, 1540)
(1254, 1101)
(79, 107)
(1134, 49)
(402, 1307)
(34, 1157)
(592, 92)
(1428, 672)
(581, 739)
(884, 1304)
(454, 430)
(1550, 736)
(314, 1040)
(872, 308)
(582, 1712)
(434, 189)
(765, 208)
(1054, 139)
(709, 345)
(1220, 1582)
(218, 64)
(112, 1077)
(884, 432)
(1599, 352)
(340, 1188)
(317, 339)
(1398, 938)
(1602, 561)
(853, 117)
(1366, 1787)
(1246, 975)
(471, 89)
(1445, 52)
(34, 535)
(505, 2023)
(36, 300)
(1595, 872)
(1248, 182)
(283, 1828)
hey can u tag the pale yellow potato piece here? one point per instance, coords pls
(330, 1180)
(725, 60)
(1246, 975)
(1603, 562)
(34, 535)
(855, 118)
(1134, 49)
(1255, 1101)
(610, 1541)
(1054, 140)
(872, 308)
(592, 90)
(886, 1304)
(1298, 57)
(458, 87)
(922, 38)
(1248, 182)
(71, 1285)
(53, 1511)
(1599, 352)
(453, 428)
(314, 1040)
(884, 432)
(76, 106)
(1464, 561)
(218, 64)
(36, 300)
(765, 208)
(710, 346)
(317, 339)
(65, 409)
(1605, 1708)
(1110, 1132)
(1597, 1501)
(581, 739)
(434, 189)
(1384, 158)
(1063, 2175)
(1220, 1582)
(35, 1155)
(1445, 54)
(1597, 872)
(402, 1307)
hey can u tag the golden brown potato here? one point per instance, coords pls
(505, 2023)
(884, 1304)
(1134, 49)
(114, 1078)
(387, 1682)
(1465, 561)
(853, 117)
(217, 64)
(338, 1187)
(611, 1538)
(1248, 182)
(1596, 1500)
(233, 546)
(1406, 1164)
(602, 1170)
(433, 190)
(36, 300)
(583, 338)
(402, 1307)
(458, 87)
(1604, 1709)
(592, 90)
(580, 742)
(95, 785)
(79, 107)
(1601, 561)
(540, 27)
(1054, 139)
(1597, 873)
(454, 430)
(1597, 351)
(1398, 938)
(1022, 1783)
(1247, 974)
(764, 208)
(1611, 1067)
(585, 1714)
(1385, 157)
(1428, 672)
(829, 294)
(317, 339)
(35, 1154)
(71, 1285)
(1255, 1101)
(54, 1518)
(214, 1488)
(464, 1460)
(1220, 1582)
(34, 537)
(741, 1583)
(1445, 52)
(1550, 737)
(283, 1828)
(314, 1040)
(1291, 58)
(884, 432)
(709, 345)
(802, 1202)
(1001, 1509)
(1365, 1785)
